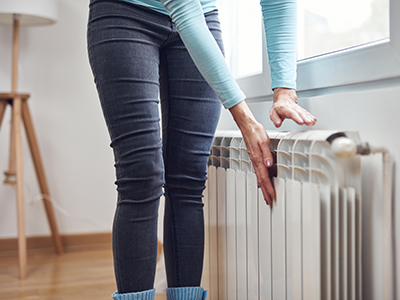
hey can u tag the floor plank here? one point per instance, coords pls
(75, 275)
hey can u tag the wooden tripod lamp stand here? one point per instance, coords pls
(24, 13)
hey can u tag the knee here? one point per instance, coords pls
(186, 177)
(140, 178)
(185, 187)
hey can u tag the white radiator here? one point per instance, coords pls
(307, 246)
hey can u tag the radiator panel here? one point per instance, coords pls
(278, 242)
(221, 220)
(264, 246)
(294, 240)
(311, 241)
(241, 236)
(352, 246)
(252, 236)
(231, 272)
(205, 280)
(344, 257)
(213, 232)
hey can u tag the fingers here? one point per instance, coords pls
(307, 117)
(264, 182)
(266, 151)
(284, 112)
(292, 111)
(275, 118)
(268, 191)
(262, 159)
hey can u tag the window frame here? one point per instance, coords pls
(364, 63)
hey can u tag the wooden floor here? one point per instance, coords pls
(71, 276)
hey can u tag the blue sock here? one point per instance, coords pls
(146, 295)
(186, 293)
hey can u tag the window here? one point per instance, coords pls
(242, 34)
(245, 50)
(325, 27)
(341, 42)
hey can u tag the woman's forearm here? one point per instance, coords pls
(280, 23)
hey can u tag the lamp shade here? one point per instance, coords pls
(32, 12)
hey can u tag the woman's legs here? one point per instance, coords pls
(190, 113)
(124, 43)
(124, 56)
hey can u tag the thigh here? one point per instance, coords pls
(123, 46)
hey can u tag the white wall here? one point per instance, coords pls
(373, 111)
(72, 135)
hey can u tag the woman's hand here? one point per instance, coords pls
(257, 143)
(285, 107)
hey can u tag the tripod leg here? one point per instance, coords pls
(10, 173)
(3, 105)
(17, 124)
(37, 161)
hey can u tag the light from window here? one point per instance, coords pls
(329, 26)
(241, 24)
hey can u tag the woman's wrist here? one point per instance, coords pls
(242, 115)
(285, 93)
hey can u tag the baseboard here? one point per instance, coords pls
(70, 242)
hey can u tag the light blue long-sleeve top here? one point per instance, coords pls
(280, 29)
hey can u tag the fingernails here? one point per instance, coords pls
(258, 185)
(268, 163)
